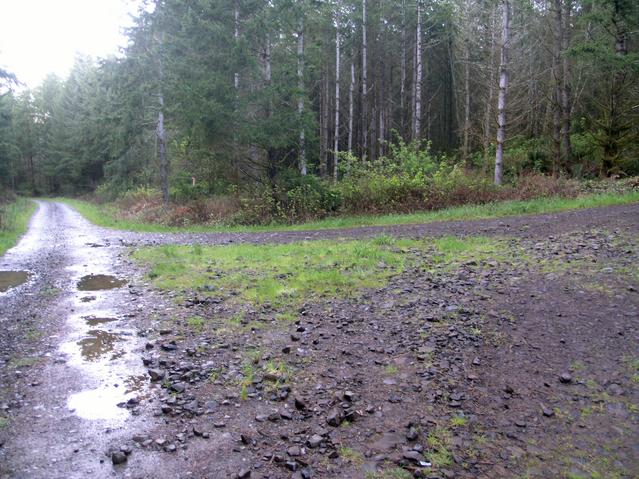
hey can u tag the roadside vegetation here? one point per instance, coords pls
(14, 220)
(143, 210)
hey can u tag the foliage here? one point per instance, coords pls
(14, 219)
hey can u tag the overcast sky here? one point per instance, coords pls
(42, 36)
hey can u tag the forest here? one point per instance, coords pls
(295, 109)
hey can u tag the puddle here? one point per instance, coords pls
(96, 282)
(97, 344)
(93, 321)
(11, 279)
(102, 403)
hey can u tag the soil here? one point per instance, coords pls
(525, 365)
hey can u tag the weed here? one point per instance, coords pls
(391, 370)
(351, 455)
(196, 323)
(458, 421)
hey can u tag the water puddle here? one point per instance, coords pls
(97, 282)
(97, 344)
(95, 321)
(103, 402)
(11, 279)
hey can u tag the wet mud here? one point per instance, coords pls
(98, 282)
(11, 279)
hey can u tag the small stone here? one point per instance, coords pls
(315, 441)
(294, 451)
(118, 458)
(412, 434)
(565, 378)
(547, 412)
(244, 473)
(300, 404)
(335, 417)
(413, 456)
(520, 423)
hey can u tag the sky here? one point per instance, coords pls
(38, 37)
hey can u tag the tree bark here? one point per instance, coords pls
(160, 131)
(402, 91)
(418, 79)
(337, 79)
(488, 111)
(300, 99)
(566, 93)
(558, 81)
(466, 134)
(351, 92)
(364, 83)
(503, 89)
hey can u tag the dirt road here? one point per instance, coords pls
(492, 368)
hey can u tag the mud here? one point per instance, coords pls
(99, 282)
(11, 279)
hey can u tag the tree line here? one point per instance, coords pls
(231, 92)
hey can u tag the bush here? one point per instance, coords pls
(291, 198)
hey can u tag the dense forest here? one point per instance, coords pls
(212, 97)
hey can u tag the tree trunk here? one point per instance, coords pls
(160, 131)
(324, 103)
(300, 99)
(566, 93)
(418, 79)
(558, 81)
(466, 135)
(364, 83)
(337, 78)
(402, 90)
(488, 111)
(351, 92)
(503, 88)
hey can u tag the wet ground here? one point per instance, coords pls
(491, 368)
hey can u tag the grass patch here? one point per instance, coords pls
(14, 220)
(107, 216)
(351, 455)
(281, 275)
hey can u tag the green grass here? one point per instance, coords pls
(106, 215)
(282, 275)
(14, 220)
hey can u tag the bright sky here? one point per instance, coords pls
(42, 36)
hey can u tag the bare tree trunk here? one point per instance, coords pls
(488, 112)
(503, 88)
(418, 79)
(236, 37)
(160, 132)
(364, 83)
(337, 78)
(351, 92)
(402, 91)
(566, 91)
(466, 137)
(300, 99)
(558, 81)
(324, 104)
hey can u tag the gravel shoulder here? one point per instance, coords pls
(521, 365)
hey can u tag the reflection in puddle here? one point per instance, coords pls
(99, 403)
(97, 344)
(96, 282)
(11, 279)
(94, 321)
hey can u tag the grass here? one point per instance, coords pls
(281, 275)
(14, 220)
(107, 215)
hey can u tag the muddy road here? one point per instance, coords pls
(523, 365)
